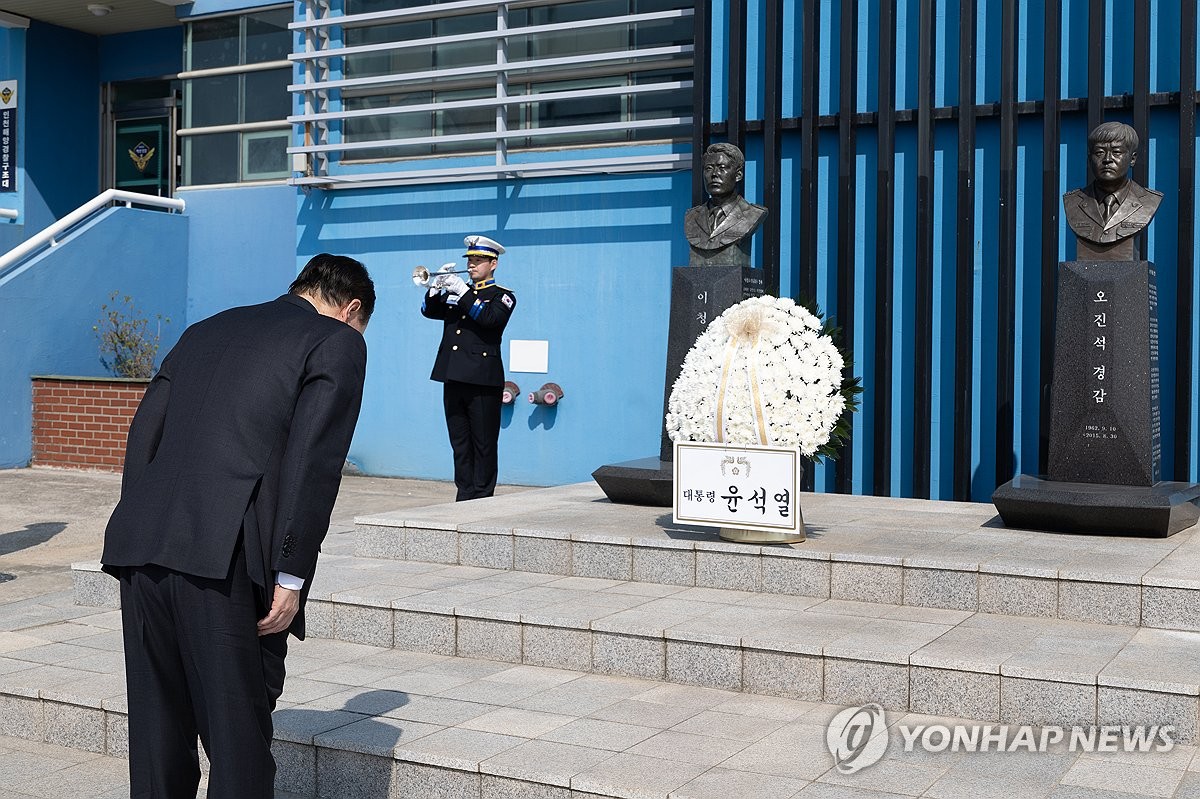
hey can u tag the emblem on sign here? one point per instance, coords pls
(6, 94)
(741, 462)
(141, 155)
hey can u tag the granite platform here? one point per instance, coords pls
(927, 608)
(919, 553)
(363, 722)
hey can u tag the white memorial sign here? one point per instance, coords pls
(724, 485)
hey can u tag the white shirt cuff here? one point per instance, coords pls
(289, 581)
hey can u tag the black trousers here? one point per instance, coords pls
(473, 422)
(194, 664)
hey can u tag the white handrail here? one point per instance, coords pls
(81, 213)
(8, 213)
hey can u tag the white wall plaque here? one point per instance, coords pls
(528, 356)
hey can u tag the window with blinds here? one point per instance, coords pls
(236, 99)
(390, 80)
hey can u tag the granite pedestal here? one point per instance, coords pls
(699, 294)
(645, 481)
(1104, 459)
(1157, 511)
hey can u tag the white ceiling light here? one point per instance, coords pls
(99, 10)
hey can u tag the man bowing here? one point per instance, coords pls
(231, 470)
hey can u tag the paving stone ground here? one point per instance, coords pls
(607, 735)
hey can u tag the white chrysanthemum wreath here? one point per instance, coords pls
(765, 372)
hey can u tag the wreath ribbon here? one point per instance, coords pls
(731, 347)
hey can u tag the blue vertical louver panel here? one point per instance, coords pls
(999, 274)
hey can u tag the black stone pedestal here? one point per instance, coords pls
(1157, 511)
(646, 481)
(1104, 423)
(699, 294)
(1103, 475)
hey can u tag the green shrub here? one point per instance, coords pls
(127, 346)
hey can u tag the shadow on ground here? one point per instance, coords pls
(355, 744)
(31, 536)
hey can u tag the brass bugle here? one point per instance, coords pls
(421, 275)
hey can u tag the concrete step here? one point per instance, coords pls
(925, 660)
(38, 770)
(362, 721)
(870, 549)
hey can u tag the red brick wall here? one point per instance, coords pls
(82, 424)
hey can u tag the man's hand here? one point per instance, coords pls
(439, 281)
(455, 285)
(284, 606)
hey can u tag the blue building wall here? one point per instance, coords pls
(141, 54)
(200, 8)
(62, 100)
(589, 257)
(242, 246)
(49, 304)
(59, 73)
(589, 261)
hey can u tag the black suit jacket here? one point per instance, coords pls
(471, 335)
(243, 432)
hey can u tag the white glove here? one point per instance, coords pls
(442, 277)
(454, 284)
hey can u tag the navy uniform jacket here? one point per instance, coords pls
(474, 325)
(242, 433)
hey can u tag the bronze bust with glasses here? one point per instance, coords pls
(1110, 211)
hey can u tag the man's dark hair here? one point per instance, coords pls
(337, 279)
(1114, 131)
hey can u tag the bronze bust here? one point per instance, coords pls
(1107, 213)
(720, 230)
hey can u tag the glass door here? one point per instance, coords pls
(141, 118)
(142, 156)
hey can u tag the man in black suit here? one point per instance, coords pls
(1106, 214)
(231, 470)
(468, 363)
(720, 230)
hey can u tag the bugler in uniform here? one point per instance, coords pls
(469, 363)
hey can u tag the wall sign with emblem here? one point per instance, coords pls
(8, 135)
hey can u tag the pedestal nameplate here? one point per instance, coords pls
(1104, 415)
